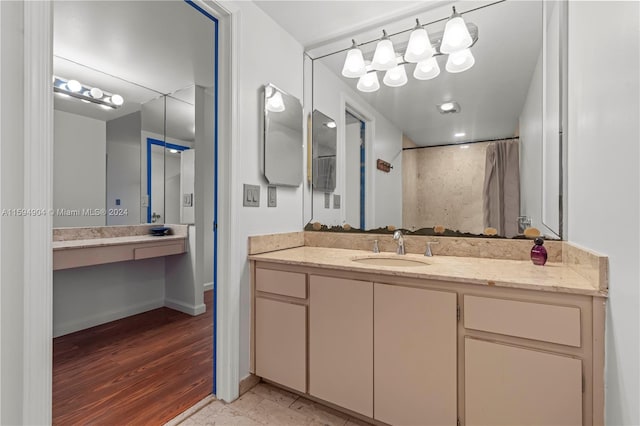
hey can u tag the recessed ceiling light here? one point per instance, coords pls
(449, 107)
(173, 151)
(459, 134)
(330, 124)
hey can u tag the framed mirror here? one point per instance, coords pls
(457, 148)
(283, 137)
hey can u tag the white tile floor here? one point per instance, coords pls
(267, 405)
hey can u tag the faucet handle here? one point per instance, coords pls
(376, 249)
(427, 251)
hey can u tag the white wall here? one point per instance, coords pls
(79, 168)
(604, 134)
(85, 297)
(12, 312)
(123, 168)
(267, 54)
(383, 191)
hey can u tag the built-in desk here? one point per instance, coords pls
(100, 245)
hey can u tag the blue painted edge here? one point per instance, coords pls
(362, 174)
(152, 141)
(215, 189)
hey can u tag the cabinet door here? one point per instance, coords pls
(341, 342)
(415, 356)
(281, 342)
(508, 385)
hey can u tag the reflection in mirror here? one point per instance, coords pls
(113, 164)
(282, 137)
(464, 148)
(324, 152)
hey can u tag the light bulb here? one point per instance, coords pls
(354, 65)
(419, 47)
(117, 100)
(447, 106)
(460, 61)
(74, 86)
(369, 82)
(456, 34)
(426, 70)
(96, 93)
(331, 124)
(275, 103)
(395, 77)
(384, 57)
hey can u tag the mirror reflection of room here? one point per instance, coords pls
(460, 148)
(132, 106)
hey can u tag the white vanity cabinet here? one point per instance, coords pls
(281, 328)
(415, 355)
(341, 342)
(415, 351)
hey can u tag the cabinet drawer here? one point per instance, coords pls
(537, 321)
(292, 284)
(281, 343)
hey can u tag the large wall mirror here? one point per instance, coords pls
(131, 161)
(469, 142)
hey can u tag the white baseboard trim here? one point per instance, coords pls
(208, 286)
(104, 317)
(184, 307)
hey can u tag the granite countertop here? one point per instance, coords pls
(552, 277)
(111, 241)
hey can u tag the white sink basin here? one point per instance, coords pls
(390, 260)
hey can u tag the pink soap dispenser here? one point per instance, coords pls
(539, 252)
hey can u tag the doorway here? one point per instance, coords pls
(92, 379)
(355, 154)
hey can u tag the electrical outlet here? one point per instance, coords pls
(336, 201)
(251, 195)
(327, 200)
(272, 196)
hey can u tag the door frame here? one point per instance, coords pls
(37, 251)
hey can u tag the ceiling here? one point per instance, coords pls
(491, 94)
(138, 49)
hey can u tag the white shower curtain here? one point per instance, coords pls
(502, 187)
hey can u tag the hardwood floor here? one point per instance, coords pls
(144, 369)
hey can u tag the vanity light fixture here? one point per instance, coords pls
(450, 107)
(87, 94)
(455, 41)
(384, 58)
(354, 65)
(456, 34)
(395, 77)
(369, 82)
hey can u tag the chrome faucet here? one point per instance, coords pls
(400, 238)
(428, 252)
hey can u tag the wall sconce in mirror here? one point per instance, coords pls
(456, 40)
(283, 137)
(75, 89)
(325, 140)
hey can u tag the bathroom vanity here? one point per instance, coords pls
(448, 339)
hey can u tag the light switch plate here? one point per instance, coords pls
(336, 201)
(251, 195)
(327, 200)
(187, 200)
(272, 196)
